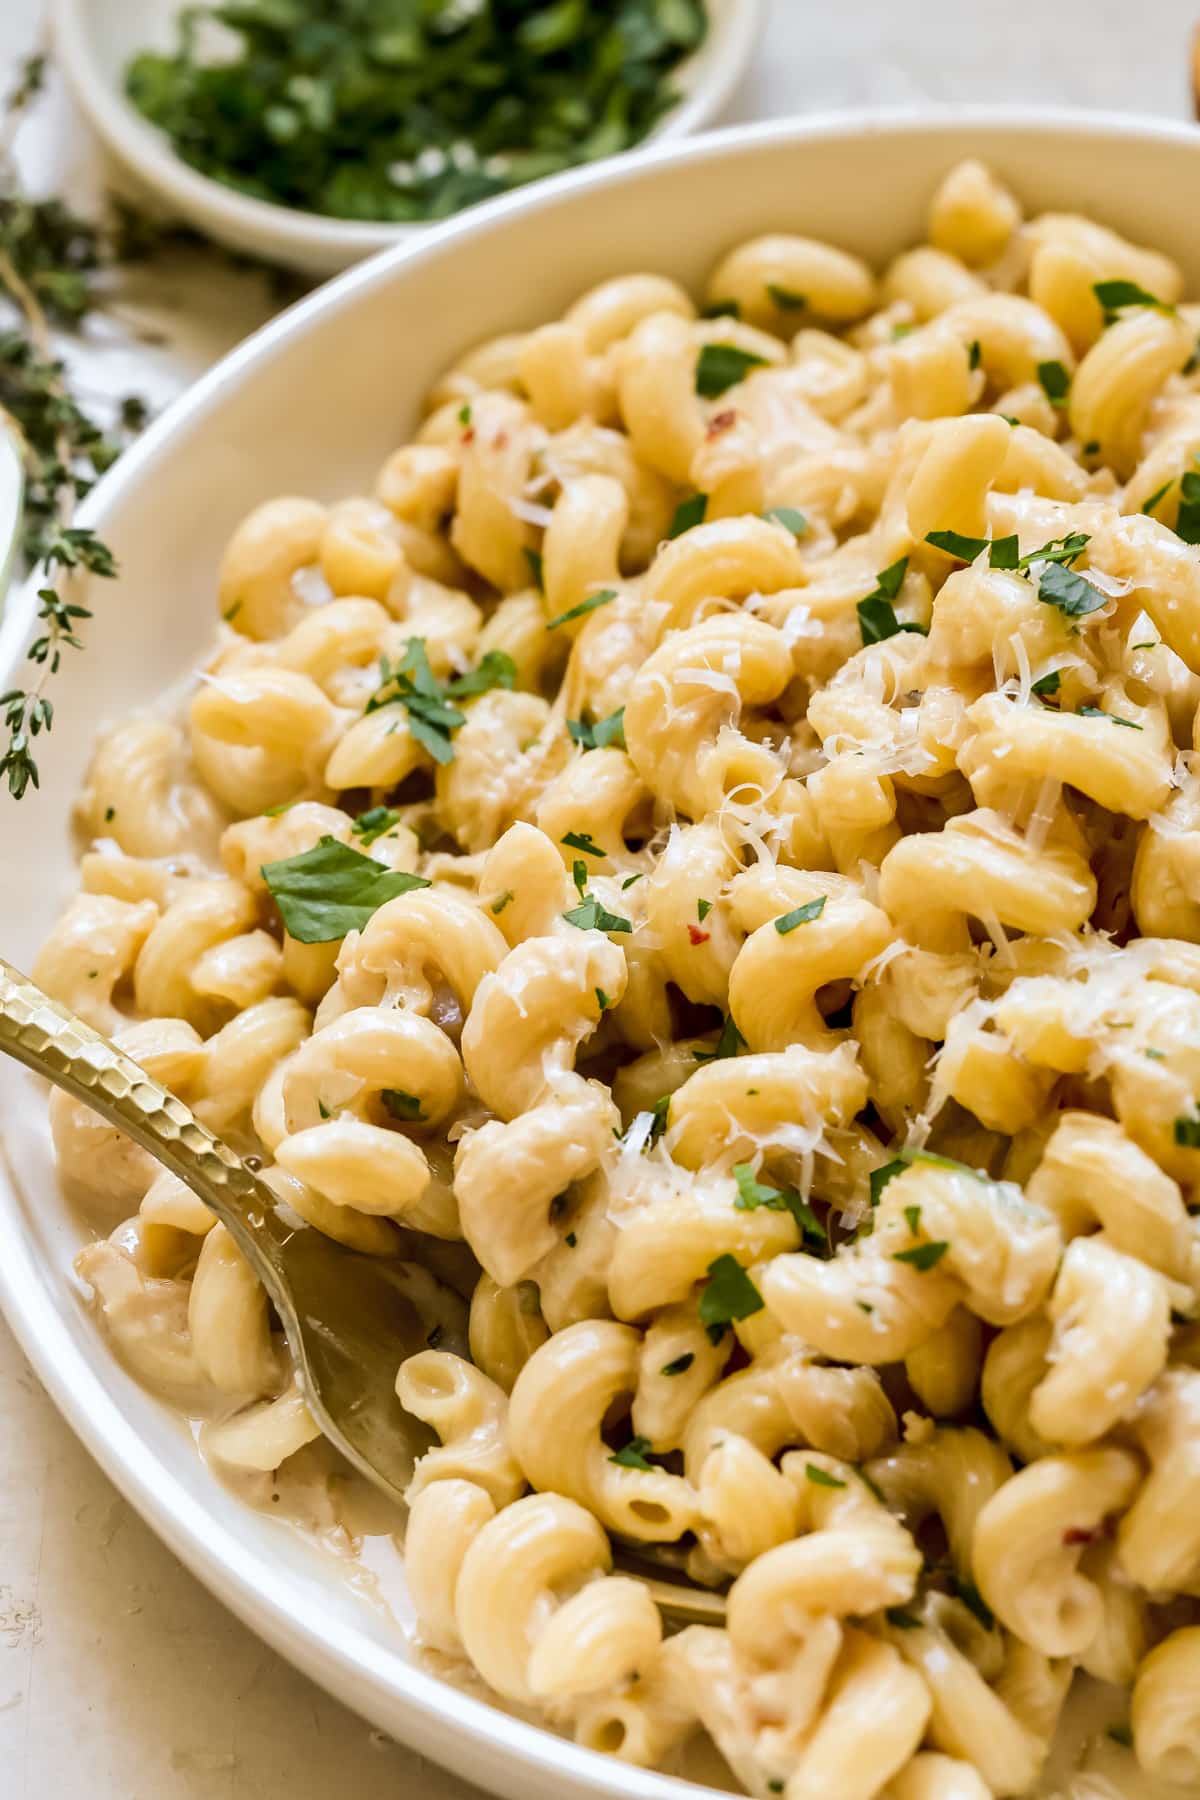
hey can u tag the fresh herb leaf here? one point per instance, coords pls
(633, 1456)
(721, 366)
(1159, 493)
(728, 1044)
(629, 881)
(1115, 296)
(375, 823)
(721, 309)
(1047, 684)
(1186, 1131)
(703, 908)
(331, 889)
(603, 1001)
(728, 1294)
(570, 1240)
(974, 1602)
(688, 514)
(401, 1105)
(912, 1218)
(922, 1257)
(584, 607)
(536, 568)
(681, 1364)
(1058, 550)
(958, 544)
(583, 840)
(903, 1621)
(501, 901)
(974, 354)
(590, 915)
(790, 517)
(820, 1477)
(786, 299)
(1056, 382)
(495, 670)
(1187, 522)
(1098, 712)
(1073, 596)
(432, 720)
(876, 615)
(879, 1178)
(800, 915)
(603, 733)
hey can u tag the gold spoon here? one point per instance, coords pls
(347, 1322)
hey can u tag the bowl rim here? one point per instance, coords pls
(258, 1590)
(722, 61)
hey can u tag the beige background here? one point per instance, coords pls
(120, 1678)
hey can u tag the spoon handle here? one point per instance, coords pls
(55, 1043)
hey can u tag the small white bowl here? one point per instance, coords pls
(95, 40)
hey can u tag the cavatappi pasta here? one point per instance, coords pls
(704, 861)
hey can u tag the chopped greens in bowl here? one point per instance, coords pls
(409, 110)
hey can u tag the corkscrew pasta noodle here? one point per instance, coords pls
(702, 862)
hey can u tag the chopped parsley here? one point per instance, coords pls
(432, 718)
(903, 1621)
(1186, 1132)
(1003, 553)
(800, 915)
(1187, 523)
(1056, 383)
(464, 415)
(600, 735)
(786, 299)
(629, 881)
(790, 517)
(331, 889)
(590, 915)
(974, 1602)
(721, 366)
(879, 1178)
(633, 1456)
(681, 1364)
(703, 908)
(1047, 684)
(751, 1194)
(728, 1294)
(1098, 712)
(1159, 493)
(584, 607)
(728, 1044)
(537, 568)
(820, 1478)
(912, 1216)
(272, 812)
(876, 615)
(721, 309)
(922, 1257)
(1115, 296)
(1069, 592)
(688, 514)
(603, 1000)
(583, 840)
(570, 1240)
(974, 354)
(376, 822)
(501, 901)
(401, 1105)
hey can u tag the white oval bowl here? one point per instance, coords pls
(312, 404)
(95, 39)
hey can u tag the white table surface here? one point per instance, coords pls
(120, 1677)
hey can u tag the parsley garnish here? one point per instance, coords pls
(721, 309)
(1187, 523)
(1047, 684)
(912, 1218)
(402, 1105)
(331, 889)
(681, 1364)
(1159, 493)
(789, 517)
(603, 733)
(721, 366)
(1003, 553)
(1098, 712)
(876, 615)
(376, 822)
(820, 1478)
(728, 1294)
(974, 1602)
(1186, 1132)
(1115, 296)
(1073, 596)
(786, 299)
(603, 1001)
(1056, 382)
(688, 514)
(974, 354)
(879, 1178)
(922, 1257)
(703, 908)
(583, 840)
(537, 568)
(728, 1044)
(633, 1456)
(585, 606)
(590, 915)
(752, 1194)
(800, 915)
(501, 901)
(411, 683)
(903, 1621)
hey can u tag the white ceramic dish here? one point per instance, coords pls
(94, 40)
(312, 403)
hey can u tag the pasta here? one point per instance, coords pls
(701, 862)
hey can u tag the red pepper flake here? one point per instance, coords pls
(500, 441)
(1076, 1535)
(697, 936)
(468, 436)
(721, 422)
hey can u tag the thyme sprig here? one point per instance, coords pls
(49, 260)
